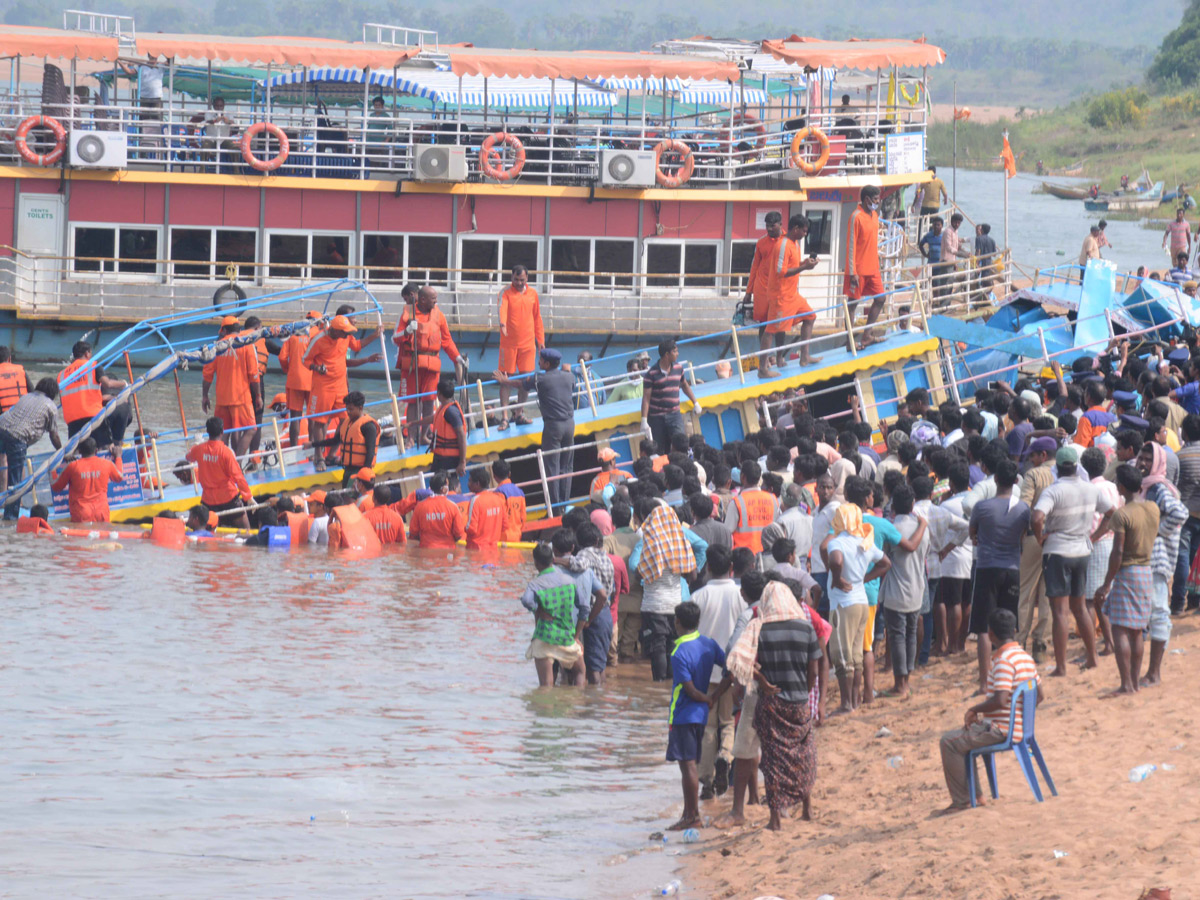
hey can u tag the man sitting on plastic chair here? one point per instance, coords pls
(986, 724)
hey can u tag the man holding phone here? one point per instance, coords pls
(787, 306)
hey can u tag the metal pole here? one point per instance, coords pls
(1004, 172)
(279, 447)
(179, 397)
(587, 386)
(737, 350)
(136, 407)
(157, 466)
(849, 326)
(954, 170)
(1042, 341)
(545, 483)
(482, 407)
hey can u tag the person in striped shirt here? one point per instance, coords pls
(986, 723)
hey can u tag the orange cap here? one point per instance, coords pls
(279, 400)
(312, 314)
(341, 323)
(318, 496)
(607, 453)
(365, 474)
(229, 320)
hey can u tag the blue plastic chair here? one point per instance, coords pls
(1026, 749)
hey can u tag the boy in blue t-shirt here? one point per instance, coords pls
(692, 662)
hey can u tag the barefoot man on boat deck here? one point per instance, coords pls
(239, 391)
(786, 300)
(760, 270)
(862, 262)
(522, 336)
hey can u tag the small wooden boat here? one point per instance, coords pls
(1140, 201)
(1064, 191)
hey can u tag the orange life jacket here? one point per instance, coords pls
(354, 443)
(12, 385)
(30, 525)
(356, 533)
(445, 438)
(756, 510)
(298, 523)
(81, 399)
(427, 342)
(604, 479)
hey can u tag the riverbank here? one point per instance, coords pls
(1157, 133)
(874, 834)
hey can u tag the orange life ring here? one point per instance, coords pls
(802, 136)
(41, 159)
(745, 118)
(685, 168)
(496, 169)
(264, 165)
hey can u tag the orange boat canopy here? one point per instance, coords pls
(27, 40)
(281, 51)
(584, 64)
(881, 53)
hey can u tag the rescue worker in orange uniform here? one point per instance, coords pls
(522, 336)
(863, 275)
(760, 270)
(751, 510)
(514, 501)
(486, 512)
(421, 341)
(364, 489)
(262, 355)
(14, 383)
(608, 474)
(357, 438)
(83, 397)
(388, 523)
(326, 358)
(86, 480)
(786, 302)
(222, 484)
(437, 522)
(299, 376)
(449, 444)
(239, 395)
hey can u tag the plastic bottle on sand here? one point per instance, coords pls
(690, 836)
(670, 889)
(1142, 772)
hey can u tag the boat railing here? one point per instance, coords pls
(125, 288)
(728, 149)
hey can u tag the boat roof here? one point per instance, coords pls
(694, 63)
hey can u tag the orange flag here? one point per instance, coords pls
(1010, 164)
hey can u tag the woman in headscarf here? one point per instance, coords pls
(780, 650)
(895, 438)
(602, 519)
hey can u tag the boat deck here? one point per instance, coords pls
(715, 396)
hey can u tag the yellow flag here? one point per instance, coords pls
(891, 97)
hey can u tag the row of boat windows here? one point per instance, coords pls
(589, 263)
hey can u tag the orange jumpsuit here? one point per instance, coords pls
(760, 271)
(486, 514)
(234, 371)
(433, 337)
(328, 389)
(514, 505)
(862, 255)
(521, 316)
(785, 290)
(299, 376)
(387, 524)
(218, 472)
(437, 522)
(87, 480)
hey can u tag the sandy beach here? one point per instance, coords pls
(873, 835)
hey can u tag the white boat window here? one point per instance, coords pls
(128, 249)
(687, 264)
(820, 231)
(400, 258)
(205, 252)
(594, 263)
(489, 260)
(294, 254)
(428, 253)
(741, 259)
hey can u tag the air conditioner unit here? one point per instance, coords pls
(99, 149)
(627, 168)
(440, 162)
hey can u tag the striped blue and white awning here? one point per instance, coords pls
(442, 87)
(684, 90)
(637, 83)
(525, 93)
